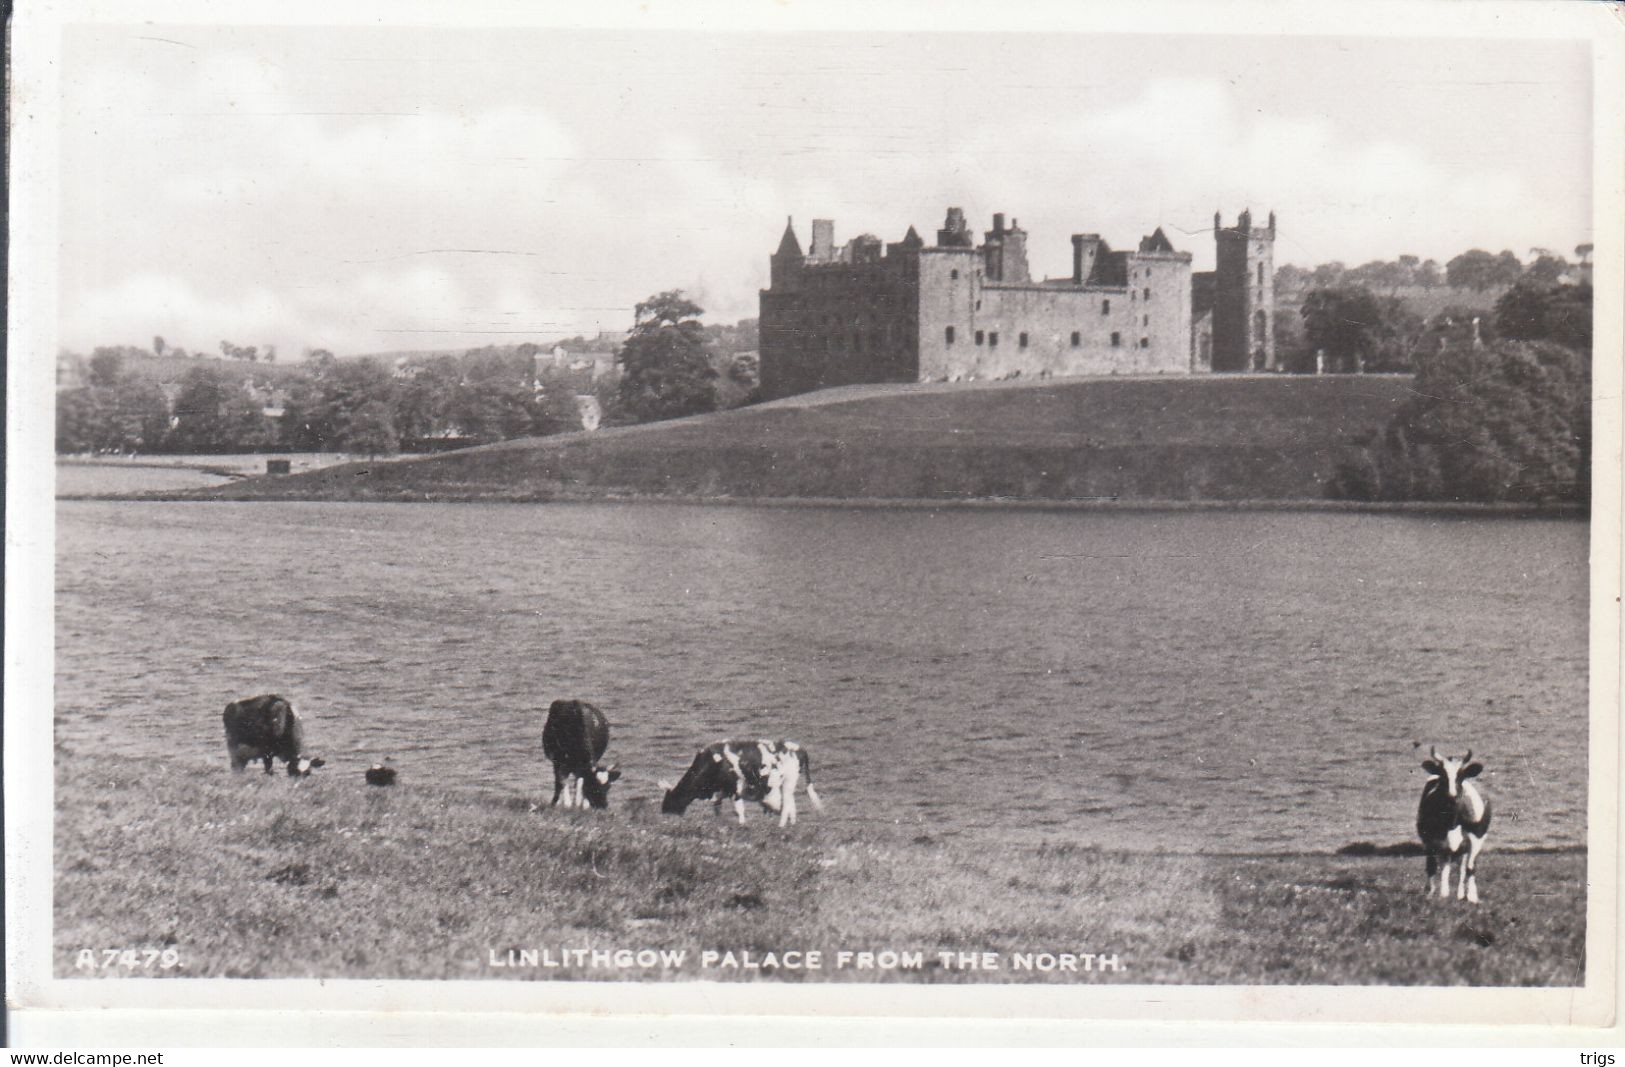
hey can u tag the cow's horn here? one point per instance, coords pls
(1469, 757)
(1433, 752)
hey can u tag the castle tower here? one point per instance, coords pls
(1244, 295)
(785, 264)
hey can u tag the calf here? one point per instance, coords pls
(763, 771)
(1452, 813)
(574, 738)
(266, 728)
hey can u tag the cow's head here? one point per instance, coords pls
(595, 787)
(670, 802)
(1450, 770)
(301, 767)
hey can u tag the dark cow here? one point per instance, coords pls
(266, 728)
(574, 738)
(1452, 814)
(764, 771)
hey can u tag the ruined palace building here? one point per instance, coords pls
(959, 311)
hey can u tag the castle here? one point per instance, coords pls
(906, 311)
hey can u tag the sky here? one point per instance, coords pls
(386, 189)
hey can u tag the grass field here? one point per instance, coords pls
(1174, 439)
(255, 876)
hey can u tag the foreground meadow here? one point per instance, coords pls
(255, 876)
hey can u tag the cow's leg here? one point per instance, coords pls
(787, 810)
(268, 761)
(558, 786)
(1474, 843)
(739, 809)
(1444, 875)
(1433, 871)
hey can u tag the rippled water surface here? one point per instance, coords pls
(1229, 680)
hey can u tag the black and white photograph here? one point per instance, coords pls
(965, 511)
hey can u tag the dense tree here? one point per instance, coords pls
(340, 405)
(106, 366)
(1479, 270)
(424, 397)
(215, 415)
(1357, 330)
(1546, 269)
(369, 427)
(665, 370)
(495, 408)
(1490, 421)
(1290, 279)
(77, 418)
(1531, 311)
(113, 412)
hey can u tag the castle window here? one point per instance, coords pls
(993, 339)
(980, 337)
(1117, 339)
(1145, 342)
(1145, 320)
(1105, 307)
(1148, 292)
(1022, 340)
(1077, 338)
(948, 335)
(954, 275)
(1261, 273)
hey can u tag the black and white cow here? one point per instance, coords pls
(266, 728)
(574, 738)
(1453, 813)
(763, 771)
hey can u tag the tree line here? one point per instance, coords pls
(669, 365)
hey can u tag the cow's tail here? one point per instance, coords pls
(806, 776)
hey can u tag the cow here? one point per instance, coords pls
(763, 771)
(1453, 813)
(574, 738)
(266, 728)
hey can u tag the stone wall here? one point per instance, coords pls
(840, 324)
(1055, 330)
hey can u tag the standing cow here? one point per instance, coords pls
(764, 771)
(266, 728)
(574, 738)
(1452, 814)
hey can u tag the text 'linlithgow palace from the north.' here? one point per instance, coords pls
(958, 311)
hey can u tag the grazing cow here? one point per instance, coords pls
(574, 738)
(763, 771)
(1452, 813)
(266, 728)
(378, 774)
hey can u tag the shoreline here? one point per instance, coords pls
(1411, 507)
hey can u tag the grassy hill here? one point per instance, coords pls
(1207, 439)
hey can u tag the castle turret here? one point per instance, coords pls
(1005, 252)
(787, 261)
(823, 241)
(954, 232)
(1244, 296)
